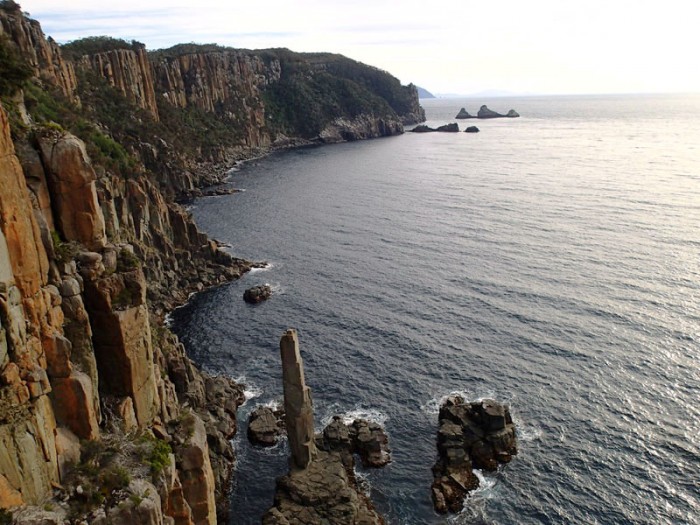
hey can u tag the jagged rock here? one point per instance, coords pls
(371, 443)
(129, 71)
(196, 473)
(450, 128)
(324, 492)
(143, 507)
(257, 294)
(39, 516)
(464, 114)
(360, 128)
(67, 450)
(321, 487)
(71, 179)
(423, 129)
(265, 426)
(472, 129)
(479, 434)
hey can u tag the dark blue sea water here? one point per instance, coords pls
(550, 261)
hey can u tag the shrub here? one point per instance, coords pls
(159, 458)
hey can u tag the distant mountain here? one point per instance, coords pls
(424, 93)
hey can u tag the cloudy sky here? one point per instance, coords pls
(446, 46)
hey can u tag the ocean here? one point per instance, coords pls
(551, 262)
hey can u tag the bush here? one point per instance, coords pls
(159, 457)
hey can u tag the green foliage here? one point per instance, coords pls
(96, 44)
(15, 70)
(314, 89)
(65, 251)
(159, 457)
(123, 299)
(45, 106)
(112, 478)
(127, 261)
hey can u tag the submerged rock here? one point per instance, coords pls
(472, 129)
(471, 435)
(257, 294)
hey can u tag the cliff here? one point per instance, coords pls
(103, 417)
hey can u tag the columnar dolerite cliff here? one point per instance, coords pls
(103, 417)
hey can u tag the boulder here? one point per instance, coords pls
(472, 129)
(265, 426)
(471, 435)
(464, 114)
(257, 294)
(450, 128)
(512, 114)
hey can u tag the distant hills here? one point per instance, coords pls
(424, 93)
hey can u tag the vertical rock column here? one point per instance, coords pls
(299, 415)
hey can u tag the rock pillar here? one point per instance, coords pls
(299, 415)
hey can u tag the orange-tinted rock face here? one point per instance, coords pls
(71, 180)
(27, 256)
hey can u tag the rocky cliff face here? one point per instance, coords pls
(129, 71)
(43, 54)
(94, 252)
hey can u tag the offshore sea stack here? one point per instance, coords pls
(479, 435)
(320, 487)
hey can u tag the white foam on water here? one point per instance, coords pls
(250, 390)
(278, 449)
(263, 269)
(348, 416)
(363, 483)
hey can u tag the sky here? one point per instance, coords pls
(445, 46)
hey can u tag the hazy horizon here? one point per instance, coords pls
(543, 47)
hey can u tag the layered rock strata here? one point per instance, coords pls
(480, 435)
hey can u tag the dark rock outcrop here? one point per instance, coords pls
(485, 113)
(472, 129)
(365, 438)
(463, 113)
(471, 435)
(449, 128)
(423, 128)
(257, 294)
(320, 487)
(266, 426)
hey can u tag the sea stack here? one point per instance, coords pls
(321, 486)
(299, 415)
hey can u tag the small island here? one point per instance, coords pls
(485, 113)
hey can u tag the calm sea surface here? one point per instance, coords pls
(550, 261)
